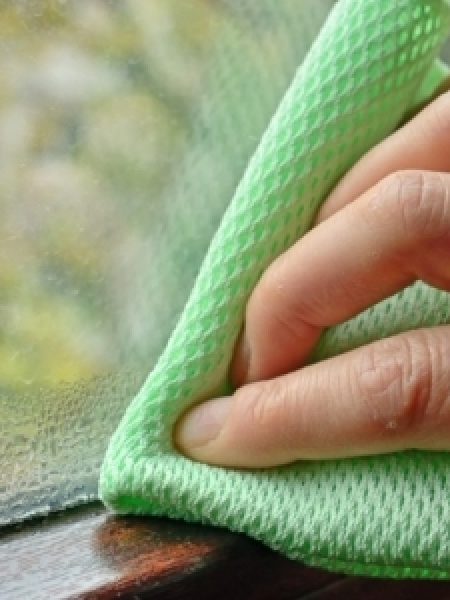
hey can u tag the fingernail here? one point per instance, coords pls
(203, 423)
(241, 361)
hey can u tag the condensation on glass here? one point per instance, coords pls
(124, 129)
(118, 120)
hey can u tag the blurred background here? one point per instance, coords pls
(98, 103)
(124, 129)
(95, 103)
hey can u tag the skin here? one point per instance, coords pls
(387, 396)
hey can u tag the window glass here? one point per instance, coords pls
(124, 128)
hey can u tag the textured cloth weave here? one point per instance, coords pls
(386, 515)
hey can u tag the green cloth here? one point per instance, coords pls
(387, 515)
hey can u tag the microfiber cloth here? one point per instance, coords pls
(372, 63)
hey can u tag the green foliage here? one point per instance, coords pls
(95, 102)
(99, 132)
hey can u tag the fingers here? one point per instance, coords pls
(395, 233)
(296, 297)
(388, 396)
(423, 143)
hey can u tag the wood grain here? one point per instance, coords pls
(364, 588)
(87, 553)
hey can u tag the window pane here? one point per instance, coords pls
(124, 128)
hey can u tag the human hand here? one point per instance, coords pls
(386, 225)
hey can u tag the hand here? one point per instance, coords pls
(386, 225)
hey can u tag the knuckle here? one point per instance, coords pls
(280, 302)
(396, 382)
(263, 410)
(436, 409)
(272, 301)
(418, 201)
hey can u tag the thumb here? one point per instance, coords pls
(388, 396)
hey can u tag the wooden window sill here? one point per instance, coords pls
(88, 553)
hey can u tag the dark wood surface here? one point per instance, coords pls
(87, 553)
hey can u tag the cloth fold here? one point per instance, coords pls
(386, 515)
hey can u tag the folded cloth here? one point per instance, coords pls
(373, 61)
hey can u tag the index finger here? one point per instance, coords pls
(338, 267)
(423, 143)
